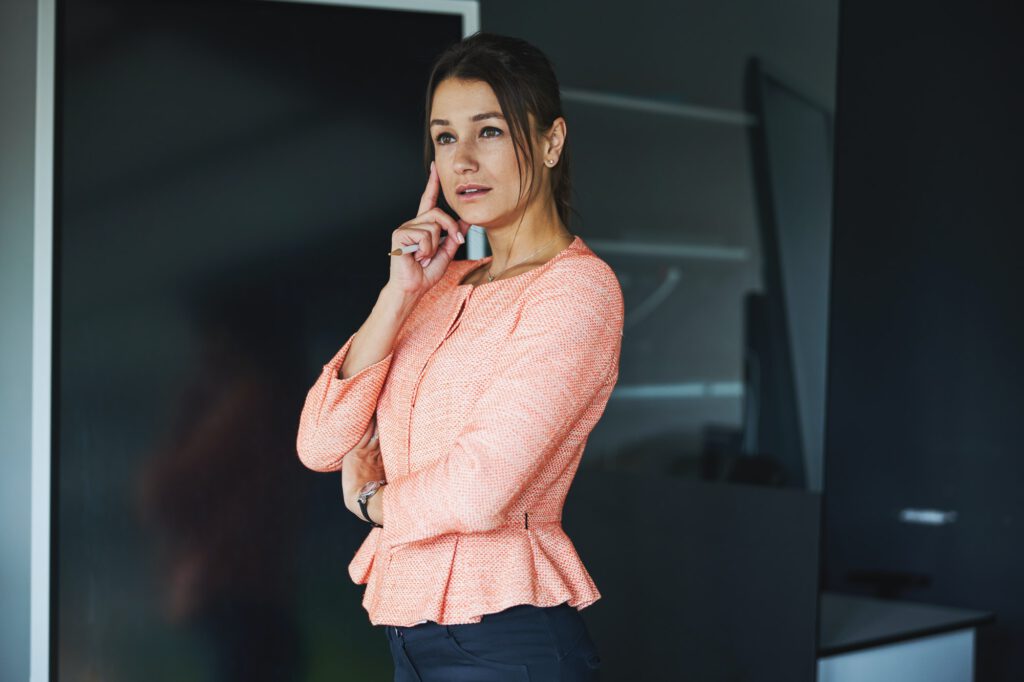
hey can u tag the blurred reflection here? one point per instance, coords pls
(787, 324)
(723, 367)
(223, 494)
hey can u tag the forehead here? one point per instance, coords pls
(457, 100)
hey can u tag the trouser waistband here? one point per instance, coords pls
(431, 628)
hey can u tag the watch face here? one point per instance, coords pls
(369, 487)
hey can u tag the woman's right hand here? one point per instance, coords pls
(414, 273)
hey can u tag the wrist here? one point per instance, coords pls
(374, 510)
(352, 501)
(350, 492)
(397, 303)
(375, 506)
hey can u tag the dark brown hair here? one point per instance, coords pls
(523, 80)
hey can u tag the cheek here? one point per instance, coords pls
(504, 165)
(449, 195)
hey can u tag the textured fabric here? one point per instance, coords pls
(483, 407)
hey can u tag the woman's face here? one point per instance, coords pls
(473, 146)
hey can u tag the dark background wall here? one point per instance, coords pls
(926, 388)
(690, 51)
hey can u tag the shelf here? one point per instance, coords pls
(689, 389)
(655, 106)
(695, 251)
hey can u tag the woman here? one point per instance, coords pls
(485, 378)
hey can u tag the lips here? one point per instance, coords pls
(470, 190)
(473, 196)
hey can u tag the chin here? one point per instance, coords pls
(483, 216)
(476, 217)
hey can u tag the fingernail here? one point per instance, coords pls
(458, 235)
(426, 262)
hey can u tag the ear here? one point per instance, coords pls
(554, 139)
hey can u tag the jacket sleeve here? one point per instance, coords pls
(337, 411)
(562, 359)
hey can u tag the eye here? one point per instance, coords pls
(499, 131)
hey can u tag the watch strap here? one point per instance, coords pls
(362, 506)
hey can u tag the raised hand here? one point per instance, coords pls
(415, 273)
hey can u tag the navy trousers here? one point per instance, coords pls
(523, 643)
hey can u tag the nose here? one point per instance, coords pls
(465, 158)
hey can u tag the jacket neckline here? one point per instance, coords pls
(463, 267)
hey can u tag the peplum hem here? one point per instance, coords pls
(458, 578)
(362, 563)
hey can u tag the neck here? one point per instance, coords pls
(525, 233)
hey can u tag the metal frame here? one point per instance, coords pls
(42, 299)
(42, 348)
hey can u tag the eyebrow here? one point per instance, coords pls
(478, 117)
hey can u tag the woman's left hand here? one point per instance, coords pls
(361, 464)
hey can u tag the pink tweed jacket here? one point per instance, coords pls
(483, 407)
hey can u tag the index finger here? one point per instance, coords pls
(429, 198)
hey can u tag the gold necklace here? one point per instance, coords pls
(490, 277)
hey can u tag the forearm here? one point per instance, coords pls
(376, 337)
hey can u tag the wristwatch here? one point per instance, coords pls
(367, 491)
